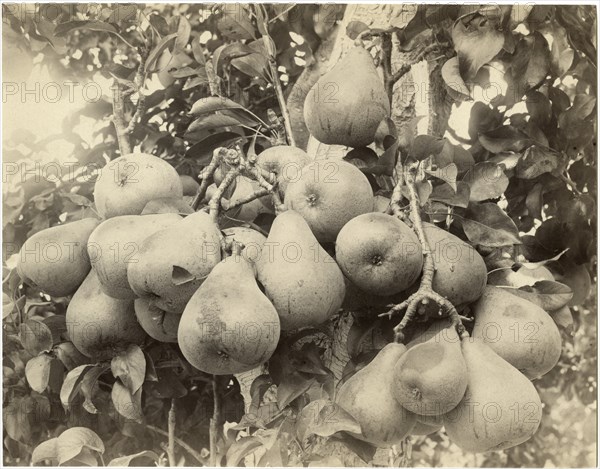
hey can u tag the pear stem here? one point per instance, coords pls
(171, 426)
(425, 293)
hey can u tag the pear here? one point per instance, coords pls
(250, 210)
(346, 105)
(126, 184)
(229, 326)
(519, 331)
(252, 240)
(116, 243)
(303, 282)
(460, 274)
(158, 324)
(328, 194)
(367, 396)
(189, 184)
(379, 253)
(173, 262)
(422, 428)
(501, 407)
(100, 326)
(55, 259)
(431, 377)
(285, 162)
(168, 205)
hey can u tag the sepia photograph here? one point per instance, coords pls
(300, 234)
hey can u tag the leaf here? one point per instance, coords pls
(354, 28)
(89, 386)
(486, 181)
(210, 122)
(240, 449)
(447, 174)
(583, 105)
(293, 385)
(212, 104)
(123, 13)
(139, 459)
(547, 294)
(69, 356)
(181, 276)
(35, 336)
(424, 189)
(446, 194)
(130, 367)
(535, 162)
(505, 138)
(73, 440)
(155, 54)
(65, 28)
(562, 317)
(72, 384)
(235, 22)
(184, 29)
(454, 81)
(127, 404)
(253, 65)
(229, 51)
(327, 418)
(37, 372)
(46, 450)
(202, 151)
(424, 146)
(488, 225)
(476, 43)
(529, 66)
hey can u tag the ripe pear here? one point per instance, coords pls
(422, 428)
(379, 253)
(302, 281)
(100, 326)
(126, 184)
(229, 326)
(519, 331)
(431, 377)
(158, 324)
(460, 274)
(328, 194)
(367, 396)
(501, 407)
(189, 184)
(168, 205)
(285, 161)
(56, 259)
(116, 243)
(346, 105)
(173, 262)
(252, 240)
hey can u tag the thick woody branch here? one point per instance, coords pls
(119, 119)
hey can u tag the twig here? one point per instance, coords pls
(119, 119)
(244, 200)
(214, 205)
(171, 447)
(214, 422)
(140, 77)
(569, 182)
(405, 68)
(213, 79)
(425, 293)
(206, 176)
(386, 63)
(181, 443)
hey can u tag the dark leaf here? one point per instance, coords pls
(562, 317)
(424, 146)
(130, 367)
(142, 458)
(211, 104)
(122, 14)
(35, 337)
(447, 174)
(235, 22)
(65, 28)
(155, 54)
(486, 181)
(228, 52)
(89, 386)
(213, 121)
(488, 225)
(446, 194)
(536, 161)
(505, 138)
(240, 449)
(293, 385)
(184, 29)
(253, 65)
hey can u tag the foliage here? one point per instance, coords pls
(519, 185)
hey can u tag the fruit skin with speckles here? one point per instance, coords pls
(379, 253)
(126, 184)
(304, 283)
(367, 396)
(100, 326)
(328, 194)
(461, 274)
(229, 326)
(518, 330)
(501, 407)
(346, 105)
(285, 161)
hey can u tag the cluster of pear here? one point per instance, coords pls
(478, 388)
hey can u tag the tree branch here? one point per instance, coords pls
(214, 422)
(171, 447)
(119, 119)
(180, 442)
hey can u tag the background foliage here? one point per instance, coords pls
(545, 198)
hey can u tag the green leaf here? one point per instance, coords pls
(45, 451)
(139, 459)
(488, 225)
(130, 367)
(253, 65)
(229, 51)
(447, 174)
(212, 104)
(505, 138)
(37, 372)
(424, 146)
(235, 22)
(486, 181)
(184, 29)
(536, 161)
(446, 194)
(155, 54)
(65, 28)
(72, 384)
(240, 449)
(293, 386)
(454, 81)
(73, 440)
(211, 122)
(89, 386)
